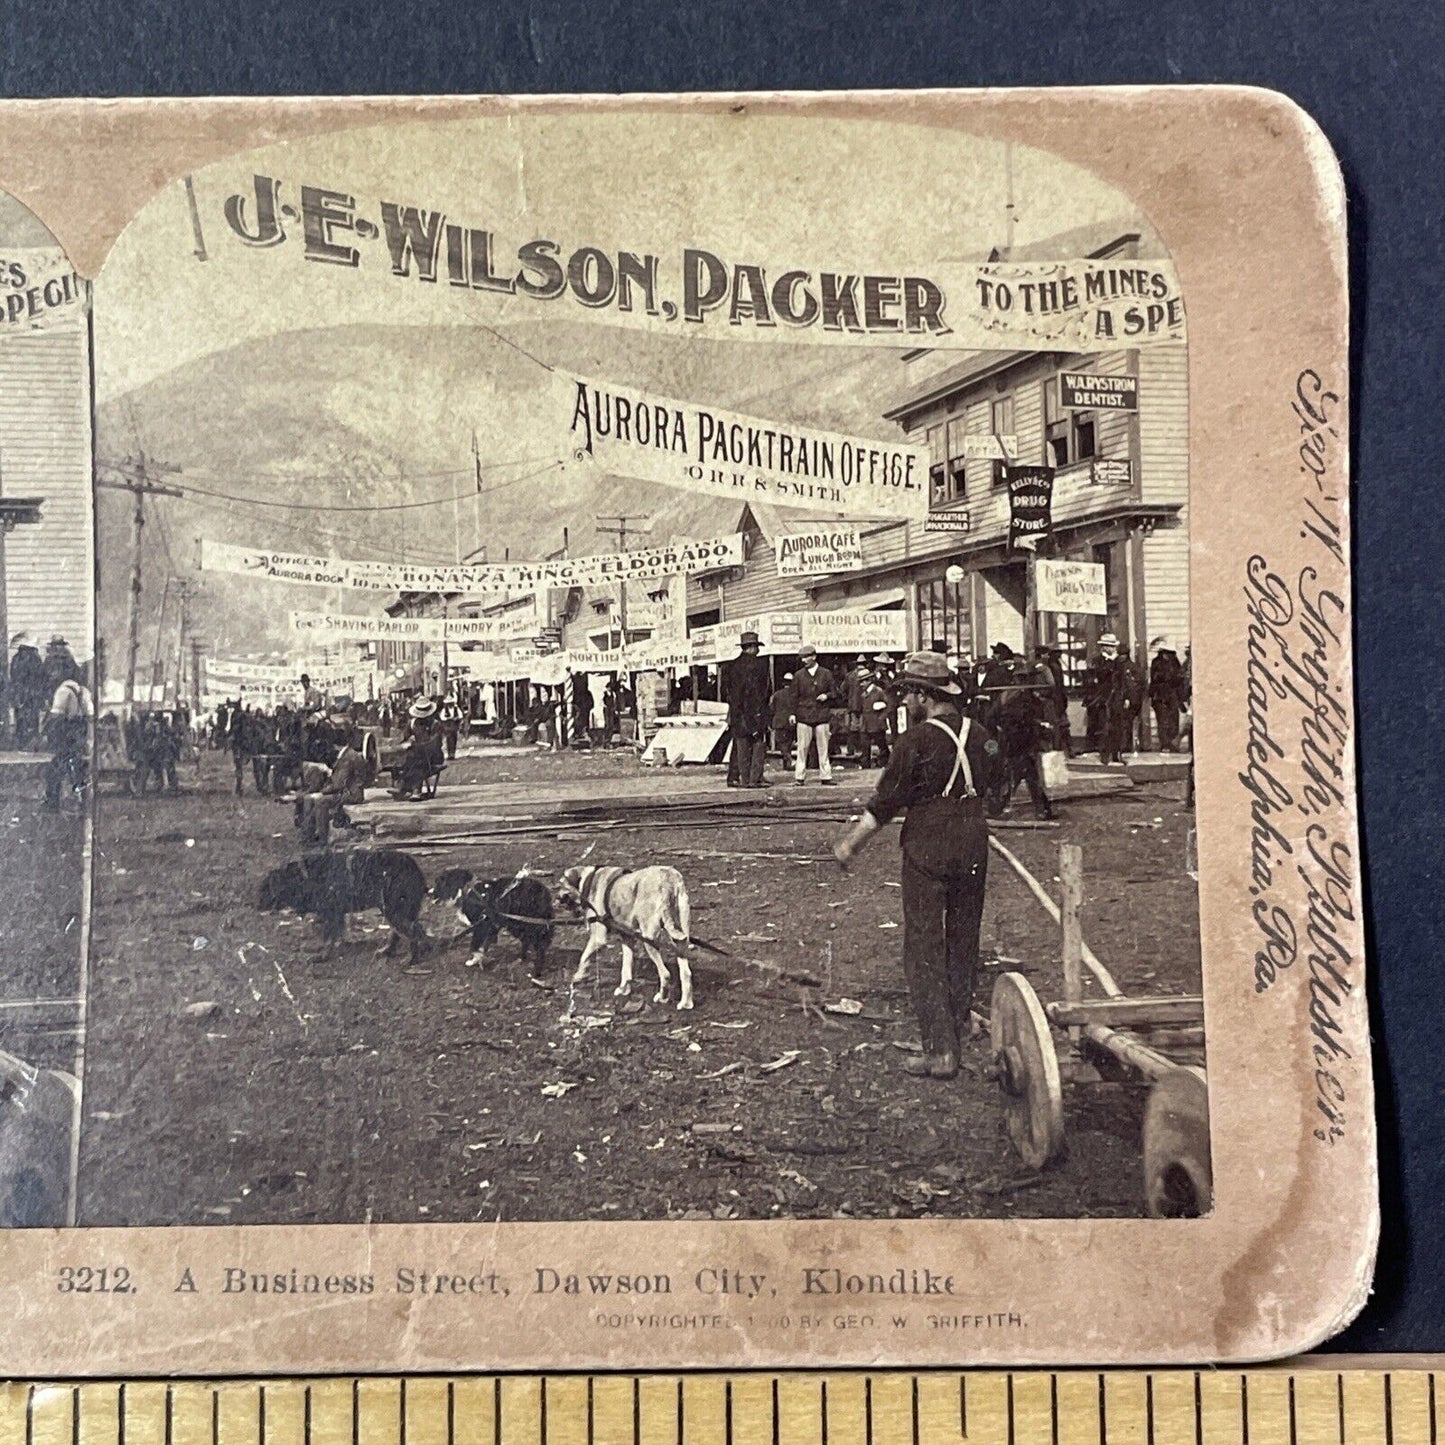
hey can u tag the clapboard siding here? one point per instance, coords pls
(1164, 435)
(1166, 585)
(45, 452)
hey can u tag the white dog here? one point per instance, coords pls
(641, 907)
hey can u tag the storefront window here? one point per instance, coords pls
(957, 483)
(945, 623)
(937, 467)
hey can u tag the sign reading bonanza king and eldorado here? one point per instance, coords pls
(482, 578)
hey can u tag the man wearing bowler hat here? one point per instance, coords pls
(748, 714)
(939, 774)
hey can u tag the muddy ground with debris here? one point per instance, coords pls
(235, 1075)
(42, 882)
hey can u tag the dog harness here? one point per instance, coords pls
(960, 763)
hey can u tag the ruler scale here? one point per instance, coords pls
(1264, 1406)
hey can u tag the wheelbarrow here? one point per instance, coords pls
(1159, 1039)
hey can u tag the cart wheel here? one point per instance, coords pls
(1023, 1049)
(1178, 1179)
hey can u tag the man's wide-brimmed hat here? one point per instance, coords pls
(807, 651)
(929, 671)
(860, 658)
(422, 707)
(883, 659)
(1108, 640)
(748, 639)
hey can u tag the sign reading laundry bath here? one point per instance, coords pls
(623, 431)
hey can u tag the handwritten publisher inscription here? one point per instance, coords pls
(1295, 779)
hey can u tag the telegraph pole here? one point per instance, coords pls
(137, 478)
(618, 526)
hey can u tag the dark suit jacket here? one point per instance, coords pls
(807, 691)
(748, 696)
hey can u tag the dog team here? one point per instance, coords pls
(647, 908)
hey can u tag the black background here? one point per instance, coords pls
(1373, 76)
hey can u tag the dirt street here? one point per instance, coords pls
(235, 1075)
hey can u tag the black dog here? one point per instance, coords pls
(521, 906)
(331, 885)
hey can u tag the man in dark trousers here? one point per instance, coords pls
(877, 714)
(1166, 692)
(1118, 682)
(784, 720)
(749, 714)
(853, 682)
(938, 774)
(28, 690)
(814, 694)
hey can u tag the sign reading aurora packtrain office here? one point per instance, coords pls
(631, 433)
(475, 578)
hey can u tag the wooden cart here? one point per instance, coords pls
(1160, 1039)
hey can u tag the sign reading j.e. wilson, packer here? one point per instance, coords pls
(1087, 390)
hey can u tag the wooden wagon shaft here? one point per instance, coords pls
(1104, 978)
(1129, 1050)
(1128, 1012)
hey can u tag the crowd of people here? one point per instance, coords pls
(825, 716)
(46, 704)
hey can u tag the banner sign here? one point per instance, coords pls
(1030, 497)
(784, 633)
(390, 250)
(482, 577)
(699, 448)
(283, 672)
(336, 627)
(552, 668)
(1083, 389)
(819, 551)
(40, 291)
(1070, 587)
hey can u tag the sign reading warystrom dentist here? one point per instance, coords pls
(702, 448)
(484, 577)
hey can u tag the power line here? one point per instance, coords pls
(191, 488)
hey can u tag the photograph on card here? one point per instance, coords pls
(640, 708)
(48, 675)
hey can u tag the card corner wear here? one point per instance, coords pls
(589, 573)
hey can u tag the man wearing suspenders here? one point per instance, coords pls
(939, 773)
